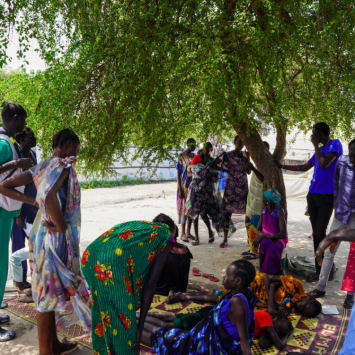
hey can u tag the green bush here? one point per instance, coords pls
(93, 184)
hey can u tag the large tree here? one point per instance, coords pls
(154, 72)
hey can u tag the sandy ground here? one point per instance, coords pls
(104, 208)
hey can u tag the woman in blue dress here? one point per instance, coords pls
(227, 329)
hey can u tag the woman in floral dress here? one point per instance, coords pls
(57, 283)
(122, 268)
(236, 191)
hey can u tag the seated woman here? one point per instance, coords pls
(269, 331)
(289, 296)
(202, 199)
(227, 329)
(122, 268)
(175, 275)
(272, 234)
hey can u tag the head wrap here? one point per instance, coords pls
(273, 196)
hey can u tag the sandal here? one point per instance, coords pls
(211, 277)
(195, 242)
(223, 245)
(196, 271)
(249, 253)
(190, 236)
(184, 238)
(348, 304)
(211, 240)
(250, 257)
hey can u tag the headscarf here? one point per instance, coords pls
(273, 196)
(196, 159)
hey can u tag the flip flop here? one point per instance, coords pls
(223, 246)
(184, 238)
(190, 236)
(250, 257)
(211, 240)
(196, 271)
(249, 253)
(195, 242)
(211, 277)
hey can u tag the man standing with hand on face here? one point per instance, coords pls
(13, 122)
(344, 218)
(321, 190)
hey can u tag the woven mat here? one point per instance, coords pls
(323, 335)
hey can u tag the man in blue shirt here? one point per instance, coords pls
(321, 190)
(344, 217)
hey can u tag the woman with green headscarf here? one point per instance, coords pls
(122, 268)
(272, 233)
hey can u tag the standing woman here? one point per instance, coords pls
(182, 189)
(26, 140)
(236, 191)
(57, 282)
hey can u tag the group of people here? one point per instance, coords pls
(119, 273)
(198, 195)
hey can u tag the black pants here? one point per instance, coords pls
(320, 208)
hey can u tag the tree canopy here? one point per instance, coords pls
(153, 73)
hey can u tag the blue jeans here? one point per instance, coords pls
(15, 268)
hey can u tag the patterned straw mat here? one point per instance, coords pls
(323, 335)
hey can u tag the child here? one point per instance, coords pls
(228, 328)
(272, 234)
(272, 330)
(57, 282)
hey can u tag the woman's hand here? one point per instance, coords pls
(257, 241)
(55, 229)
(250, 166)
(181, 193)
(323, 245)
(20, 220)
(137, 345)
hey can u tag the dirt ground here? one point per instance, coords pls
(104, 208)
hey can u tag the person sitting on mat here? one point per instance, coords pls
(272, 234)
(289, 296)
(228, 328)
(268, 330)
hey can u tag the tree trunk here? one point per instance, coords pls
(273, 178)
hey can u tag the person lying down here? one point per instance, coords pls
(268, 330)
(288, 296)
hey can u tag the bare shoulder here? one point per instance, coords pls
(238, 306)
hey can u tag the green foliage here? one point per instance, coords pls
(93, 184)
(154, 73)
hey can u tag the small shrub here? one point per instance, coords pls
(93, 184)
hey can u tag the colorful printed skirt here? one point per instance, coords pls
(115, 266)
